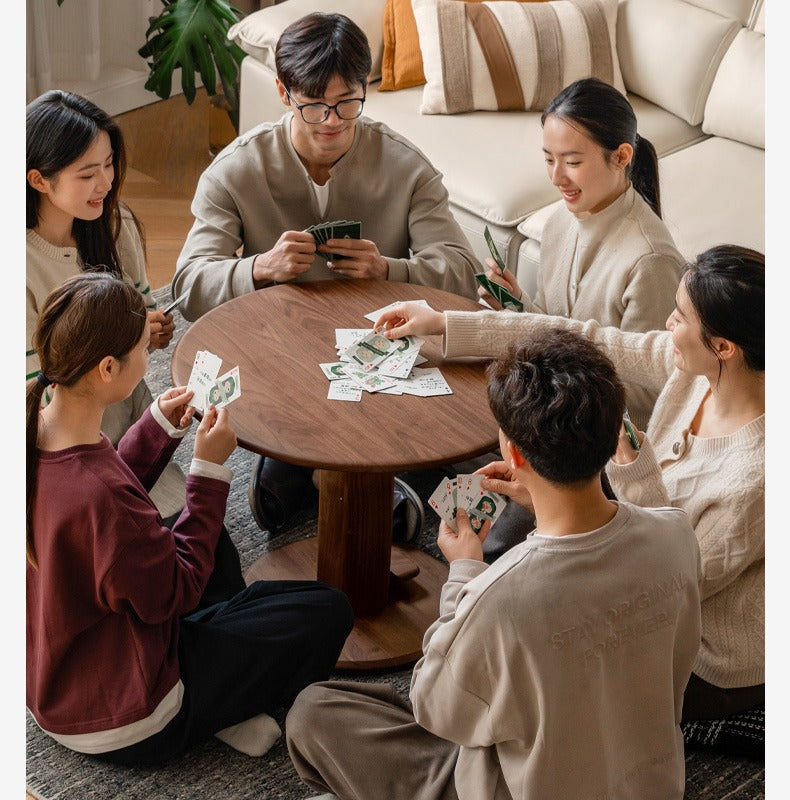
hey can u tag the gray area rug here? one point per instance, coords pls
(214, 771)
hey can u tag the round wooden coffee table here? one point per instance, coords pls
(277, 337)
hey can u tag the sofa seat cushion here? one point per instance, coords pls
(714, 193)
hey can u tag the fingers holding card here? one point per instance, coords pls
(466, 491)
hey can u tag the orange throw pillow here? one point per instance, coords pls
(401, 64)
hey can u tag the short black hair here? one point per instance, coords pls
(559, 399)
(316, 47)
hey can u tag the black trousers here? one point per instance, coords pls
(245, 656)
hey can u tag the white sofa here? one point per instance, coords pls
(694, 71)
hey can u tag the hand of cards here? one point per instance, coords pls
(338, 229)
(208, 388)
(466, 491)
(496, 290)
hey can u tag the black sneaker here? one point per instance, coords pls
(408, 514)
(277, 491)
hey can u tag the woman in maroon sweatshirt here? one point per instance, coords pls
(119, 663)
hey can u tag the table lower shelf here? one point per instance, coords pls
(391, 638)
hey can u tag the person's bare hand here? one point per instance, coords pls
(506, 279)
(464, 543)
(292, 255)
(215, 439)
(625, 452)
(174, 405)
(409, 319)
(362, 258)
(162, 327)
(500, 479)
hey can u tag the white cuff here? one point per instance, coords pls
(164, 422)
(208, 469)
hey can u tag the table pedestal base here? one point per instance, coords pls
(391, 638)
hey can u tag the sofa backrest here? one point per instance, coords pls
(670, 51)
(735, 107)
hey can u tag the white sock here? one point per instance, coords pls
(254, 736)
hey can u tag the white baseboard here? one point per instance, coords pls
(121, 89)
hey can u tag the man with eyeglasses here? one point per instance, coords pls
(321, 161)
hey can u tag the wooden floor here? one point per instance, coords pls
(167, 148)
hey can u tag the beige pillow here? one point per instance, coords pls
(736, 103)
(257, 33)
(510, 56)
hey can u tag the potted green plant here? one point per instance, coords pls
(192, 35)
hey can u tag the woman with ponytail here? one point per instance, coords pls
(124, 661)
(606, 255)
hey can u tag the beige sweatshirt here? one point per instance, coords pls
(619, 267)
(719, 482)
(257, 188)
(560, 669)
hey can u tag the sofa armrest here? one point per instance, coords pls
(257, 33)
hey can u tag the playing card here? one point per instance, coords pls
(442, 501)
(344, 390)
(371, 350)
(345, 337)
(343, 229)
(204, 372)
(499, 293)
(489, 506)
(225, 389)
(426, 382)
(399, 362)
(334, 370)
(369, 381)
(493, 249)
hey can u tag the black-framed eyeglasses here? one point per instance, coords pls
(315, 113)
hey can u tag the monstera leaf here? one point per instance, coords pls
(192, 34)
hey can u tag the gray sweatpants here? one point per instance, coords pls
(360, 741)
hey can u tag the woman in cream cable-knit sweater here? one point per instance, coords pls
(704, 449)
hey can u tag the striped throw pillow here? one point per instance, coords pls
(511, 56)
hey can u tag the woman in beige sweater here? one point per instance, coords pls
(703, 451)
(605, 254)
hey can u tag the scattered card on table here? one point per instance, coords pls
(344, 390)
(426, 382)
(334, 370)
(371, 350)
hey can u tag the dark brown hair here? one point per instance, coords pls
(90, 316)
(316, 47)
(558, 398)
